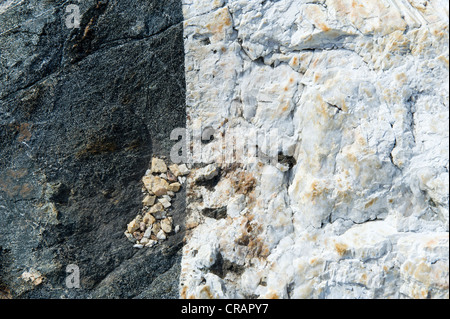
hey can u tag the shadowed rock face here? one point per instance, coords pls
(82, 111)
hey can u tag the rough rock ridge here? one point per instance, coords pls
(357, 93)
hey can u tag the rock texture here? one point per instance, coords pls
(82, 111)
(357, 93)
(322, 170)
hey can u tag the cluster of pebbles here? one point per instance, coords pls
(155, 224)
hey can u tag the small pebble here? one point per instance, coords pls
(133, 226)
(151, 243)
(177, 229)
(174, 187)
(165, 202)
(158, 166)
(156, 228)
(149, 200)
(158, 207)
(183, 170)
(161, 235)
(148, 233)
(138, 246)
(137, 235)
(166, 225)
(149, 219)
(175, 170)
(171, 177)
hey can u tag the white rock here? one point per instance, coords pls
(170, 193)
(151, 243)
(165, 202)
(138, 246)
(183, 170)
(148, 232)
(360, 101)
(206, 173)
(161, 235)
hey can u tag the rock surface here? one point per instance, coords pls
(356, 93)
(82, 112)
(342, 191)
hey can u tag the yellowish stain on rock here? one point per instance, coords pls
(341, 248)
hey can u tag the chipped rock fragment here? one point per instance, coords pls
(149, 200)
(166, 225)
(155, 185)
(161, 235)
(166, 204)
(171, 177)
(149, 219)
(174, 187)
(184, 170)
(206, 173)
(133, 226)
(158, 166)
(175, 170)
(156, 228)
(148, 232)
(137, 235)
(158, 207)
(151, 243)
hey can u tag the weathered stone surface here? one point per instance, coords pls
(357, 206)
(82, 112)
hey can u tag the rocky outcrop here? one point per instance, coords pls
(82, 111)
(317, 164)
(349, 199)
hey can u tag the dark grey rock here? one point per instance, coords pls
(82, 112)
